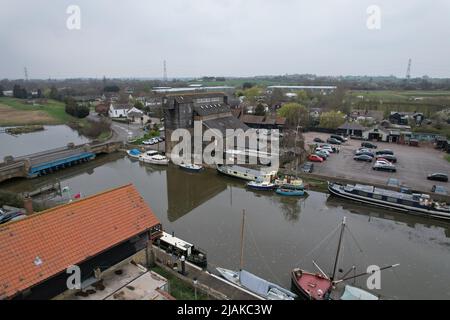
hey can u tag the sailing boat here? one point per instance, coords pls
(263, 288)
(320, 286)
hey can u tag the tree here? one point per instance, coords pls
(1, 91)
(54, 94)
(295, 114)
(139, 105)
(19, 92)
(251, 94)
(75, 110)
(111, 88)
(332, 119)
(247, 85)
(260, 110)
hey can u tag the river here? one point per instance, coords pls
(281, 233)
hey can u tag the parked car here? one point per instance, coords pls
(386, 151)
(318, 140)
(365, 153)
(315, 158)
(330, 148)
(439, 190)
(325, 150)
(363, 157)
(338, 137)
(322, 154)
(438, 177)
(369, 145)
(384, 166)
(10, 216)
(308, 167)
(334, 141)
(388, 157)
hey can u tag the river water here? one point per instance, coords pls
(281, 233)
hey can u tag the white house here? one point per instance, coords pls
(119, 111)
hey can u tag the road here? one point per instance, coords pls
(122, 131)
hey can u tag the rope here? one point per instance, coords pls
(319, 244)
(264, 260)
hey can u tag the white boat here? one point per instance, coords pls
(153, 157)
(263, 288)
(190, 167)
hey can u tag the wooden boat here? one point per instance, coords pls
(290, 192)
(134, 153)
(153, 157)
(190, 167)
(320, 286)
(178, 247)
(419, 204)
(261, 185)
(261, 287)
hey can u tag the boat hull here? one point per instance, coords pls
(290, 192)
(309, 286)
(335, 191)
(188, 169)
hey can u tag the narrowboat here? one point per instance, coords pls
(244, 173)
(415, 203)
(290, 192)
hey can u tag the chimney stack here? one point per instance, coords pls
(28, 205)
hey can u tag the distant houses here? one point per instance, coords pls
(405, 118)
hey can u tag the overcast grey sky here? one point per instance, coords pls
(223, 37)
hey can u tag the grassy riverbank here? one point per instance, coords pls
(17, 112)
(178, 288)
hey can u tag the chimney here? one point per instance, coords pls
(28, 205)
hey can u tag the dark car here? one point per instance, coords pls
(308, 167)
(318, 140)
(363, 157)
(388, 157)
(438, 177)
(369, 145)
(338, 138)
(334, 141)
(365, 153)
(386, 151)
(6, 217)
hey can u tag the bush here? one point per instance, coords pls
(10, 199)
(75, 110)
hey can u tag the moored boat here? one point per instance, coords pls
(419, 204)
(290, 192)
(179, 247)
(321, 286)
(261, 185)
(134, 153)
(263, 288)
(190, 167)
(153, 157)
(244, 173)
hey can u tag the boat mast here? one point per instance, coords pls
(338, 250)
(241, 263)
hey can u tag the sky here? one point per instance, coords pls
(197, 38)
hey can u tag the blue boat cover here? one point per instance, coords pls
(135, 152)
(352, 293)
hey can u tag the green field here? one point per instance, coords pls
(18, 112)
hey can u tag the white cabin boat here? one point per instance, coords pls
(153, 157)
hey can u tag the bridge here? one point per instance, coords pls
(47, 162)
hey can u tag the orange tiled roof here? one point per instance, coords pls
(45, 244)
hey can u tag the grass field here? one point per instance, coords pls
(15, 112)
(403, 96)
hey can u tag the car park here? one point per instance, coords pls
(363, 157)
(369, 145)
(438, 177)
(315, 158)
(308, 167)
(325, 150)
(329, 148)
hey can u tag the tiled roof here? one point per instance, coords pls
(45, 244)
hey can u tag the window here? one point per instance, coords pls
(390, 199)
(377, 196)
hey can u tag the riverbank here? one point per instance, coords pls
(17, 112)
